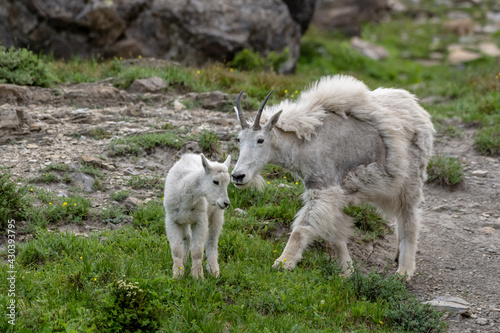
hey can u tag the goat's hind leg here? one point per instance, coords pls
(175, 237)
(408, 224)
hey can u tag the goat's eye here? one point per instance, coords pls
(238, 139)
(260, 141)
(216, 182)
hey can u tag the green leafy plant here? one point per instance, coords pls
(367, 219)
(138, 182)
(209, 141)
(13, 204)
(444, 170)
(22, 67)
(128, 308)
(487, 140)
(252, 60)
(138, 144)
(120, 195)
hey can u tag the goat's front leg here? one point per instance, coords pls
(299, 239)
(214, 230)
(199, 236)
(176, 239)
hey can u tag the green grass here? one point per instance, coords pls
(368, 221)
(488, 140)
(67, 282)
(46, 177)
(137, 144)
(141, 182)
(444, 170)
(209, 141)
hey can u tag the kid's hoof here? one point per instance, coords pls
(197, 273)
(215, 272)
(178, 272)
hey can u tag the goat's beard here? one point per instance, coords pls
(256, 182)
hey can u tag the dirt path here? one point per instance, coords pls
(459, 249)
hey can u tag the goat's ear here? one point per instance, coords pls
(205, 163)
(273, 121)
(227, 162)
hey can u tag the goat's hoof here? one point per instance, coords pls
(197, 273)
(407, 274)
(215, 271)
(178, 272)
(282, 264)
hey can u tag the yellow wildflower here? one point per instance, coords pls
(269, 182)
(197, 72)
(284, 259)
(121, 58)
(231, 70)
(296, 91)
(292, 96)
(50, 203)
(31, 189)
(275, 251)
(286, 91)
(64, 204)
(296, 183)
(284, 177)
(81, 258)
(140, 57)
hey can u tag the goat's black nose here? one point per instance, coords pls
(238, 178)
(226, 204)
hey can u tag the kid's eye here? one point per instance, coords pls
(216, 182)
(260, 141)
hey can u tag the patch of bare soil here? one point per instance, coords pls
(459, 247)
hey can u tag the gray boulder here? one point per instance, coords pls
(194, 32)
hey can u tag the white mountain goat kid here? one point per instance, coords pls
(349, 145)
(195, 199)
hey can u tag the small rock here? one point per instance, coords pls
(368, 49)
(178, 106)
(488, 230)
(31, 146)
(83, 180)
(459, 56)
(490, 49)
(482, 321)
(461, 26)
(480, 173)
(240, 212)
(456, 304)
(131, 203)
(151, 85)
(130, 172)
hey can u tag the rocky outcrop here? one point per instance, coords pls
(347, 15)
(194, 32)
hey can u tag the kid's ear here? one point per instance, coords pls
(227, 162)
(273, 121)
(205, 163)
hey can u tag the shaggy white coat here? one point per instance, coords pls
(394, 186)
(195, 199)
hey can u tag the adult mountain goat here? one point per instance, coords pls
(349, 145)
(195, 199)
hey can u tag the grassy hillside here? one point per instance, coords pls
(68, 283)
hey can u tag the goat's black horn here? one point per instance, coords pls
(256, 124)
(243, 122)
